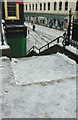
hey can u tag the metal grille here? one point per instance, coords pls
(11, 6)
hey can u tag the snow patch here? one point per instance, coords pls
(70, 48)
(43, 69)
(4, 47)
(4, 58)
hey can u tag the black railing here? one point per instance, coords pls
(32, 48)
(47, 45)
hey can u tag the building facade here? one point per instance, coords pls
(51, 11)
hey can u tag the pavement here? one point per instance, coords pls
(25, 102)
(33, 101)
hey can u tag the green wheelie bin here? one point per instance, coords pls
(16, 39)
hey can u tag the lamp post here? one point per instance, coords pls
(69, 26)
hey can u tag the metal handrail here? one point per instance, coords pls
(45, 45)
(36, 47)
(32, 48)
(50, 42)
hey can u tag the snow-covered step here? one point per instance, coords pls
(5, 51)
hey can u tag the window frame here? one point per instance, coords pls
(32, 6)
(26, 7)
(48, 5)
(77, 5)
(29, 6)
(6, 12)
(55, 3)
(60, 5)
(66, 6)
(40, 6)
(36, 6)
(44, 6)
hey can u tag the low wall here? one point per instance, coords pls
(56, 48)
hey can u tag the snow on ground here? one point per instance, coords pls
(46, 30)
(43, 68)
(41, 36)
(0, 84)
(0, 92)
(52, 96)
(41, 86)
(4, 47)
(70, 48)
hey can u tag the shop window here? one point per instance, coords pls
(33, 6)
(48, 5)
(77, 6)
(40, 6)
(29, 18)
(29, 7)
(11, 10)
(55, 5)
(60, 6)
(36, 6)
(66, 5)
(54, 21)
(44, 6)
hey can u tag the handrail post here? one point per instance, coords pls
(57, 40)
(39, 50)
(48, 45)
(2, 40)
